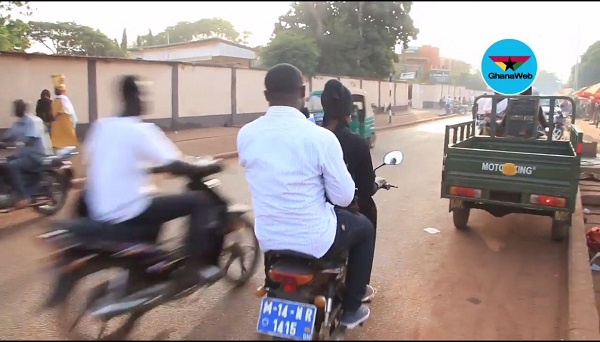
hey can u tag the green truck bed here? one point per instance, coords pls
(507, 172)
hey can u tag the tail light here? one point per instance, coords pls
(579, 148)
(465, 192)
(549, 201)
(290, 281)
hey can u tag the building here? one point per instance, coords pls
(207, 51)
(418, 60)
(455, 66)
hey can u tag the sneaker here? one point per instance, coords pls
(369, 294)
(351, 320)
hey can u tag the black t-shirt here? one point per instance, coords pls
(357, 156)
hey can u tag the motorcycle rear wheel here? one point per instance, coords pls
(245, 271)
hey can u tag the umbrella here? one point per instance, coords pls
(591, 91)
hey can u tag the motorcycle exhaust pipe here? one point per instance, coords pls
(149, 297)
(112, 310)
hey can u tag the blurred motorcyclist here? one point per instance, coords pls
(115, 191)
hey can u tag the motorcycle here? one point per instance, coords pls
(459, 109)
(308, 303)
(560, 122)
(144, 277)
(49, 184)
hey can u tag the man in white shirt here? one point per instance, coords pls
(293, 166)
(118, 151)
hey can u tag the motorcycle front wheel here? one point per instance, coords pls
(57, 193)
(71, 317)
(557, 133)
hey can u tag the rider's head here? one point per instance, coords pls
(45, 94)
(284, 86)
(19, 107)
(336, 100)
(131, 96)
(527, 91)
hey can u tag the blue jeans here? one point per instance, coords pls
(15, 167)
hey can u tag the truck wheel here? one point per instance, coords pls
(460, 216)
(560, 230)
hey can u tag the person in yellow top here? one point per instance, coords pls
(62, 132)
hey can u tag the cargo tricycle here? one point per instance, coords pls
(516, 173)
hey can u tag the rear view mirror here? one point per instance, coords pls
(393, 158)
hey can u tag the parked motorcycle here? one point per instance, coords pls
(308, 303)
(49, 184)
(144, 272)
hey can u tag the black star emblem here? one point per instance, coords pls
(510, 64)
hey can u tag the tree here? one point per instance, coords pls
(69, 38)
(13, 32)
(124, 44)
(470, 80)
(139, 42)
(295, 48)
(148, 39)
(547, 82)
(353, 38)
(185, 31)
(589, 68)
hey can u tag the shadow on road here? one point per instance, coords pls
(9, 230)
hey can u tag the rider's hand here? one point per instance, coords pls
(380, 182)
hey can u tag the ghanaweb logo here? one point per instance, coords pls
(509, 67)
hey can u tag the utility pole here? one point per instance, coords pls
(360, 33)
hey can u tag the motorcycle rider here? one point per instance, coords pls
(502, 105)
(33, 144)
(293, 168)
(115, 192)
(336, 100)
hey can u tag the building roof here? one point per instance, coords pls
(192, 44)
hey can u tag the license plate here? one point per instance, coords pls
(286, 319)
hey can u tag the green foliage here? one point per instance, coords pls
(13, 32)
(589, 68)
(69, 38)
(469, 80)
(352, 38)
(202, 29)
(294, 47)
(124, 43)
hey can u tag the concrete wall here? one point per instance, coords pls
(181, 94)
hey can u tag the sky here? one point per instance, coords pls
(558, 32)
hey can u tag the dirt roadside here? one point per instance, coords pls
(583, 284)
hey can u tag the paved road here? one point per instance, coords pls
(502, 280)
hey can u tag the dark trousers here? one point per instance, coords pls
(369, 209)
(204, 240)
(355, 234)
(15, 168)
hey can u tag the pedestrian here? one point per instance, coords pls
(62, 132)
(43, 108)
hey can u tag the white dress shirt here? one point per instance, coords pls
(118, 151)
(291, 166)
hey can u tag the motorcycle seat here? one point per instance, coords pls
(294, 261)
(100, 236)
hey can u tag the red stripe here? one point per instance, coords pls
(518, 59)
